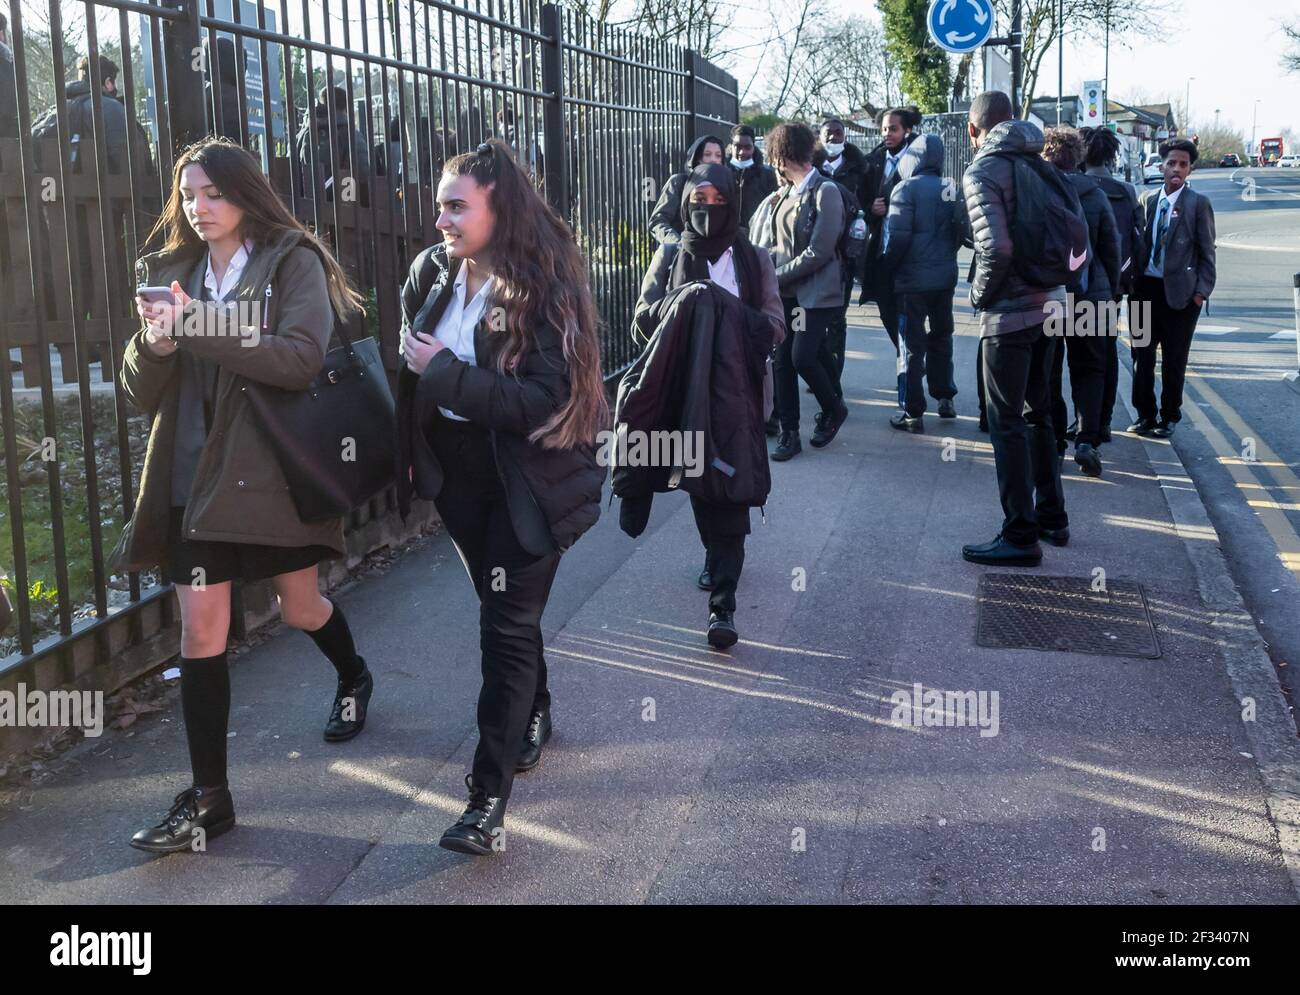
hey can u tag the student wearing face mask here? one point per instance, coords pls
(715, 249)
(754, 178)
(666, 219)
(846, 164)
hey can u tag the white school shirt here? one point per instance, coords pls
(723, 272)
(456, 326)
(1152, 269)
(230, 278)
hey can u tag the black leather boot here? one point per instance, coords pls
(537, 736)
(196, 813)
(357, 693)
(472, 833)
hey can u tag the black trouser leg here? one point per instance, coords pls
(1175, 347)
(513, 586)
(722, 529)
(1087, 355)
(979, 381)
(1044, 457)
(912, 360)
(1110, 351)
(801, 355)
(1056, 396)
(1017, 376)
(1147, 309)
(938, 348)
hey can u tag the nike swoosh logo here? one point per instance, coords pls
(1076, 263)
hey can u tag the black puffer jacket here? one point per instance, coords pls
(553, 494)
(666, 218)
(1006, 302)
(1103, 236)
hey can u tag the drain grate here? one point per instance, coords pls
(1064, 614)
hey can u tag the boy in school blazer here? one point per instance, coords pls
(1176, 271)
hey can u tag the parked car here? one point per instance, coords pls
(1152, 170)
(1231, 159)
(1291, 160)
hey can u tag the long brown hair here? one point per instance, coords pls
(237, 173)
(539, 276)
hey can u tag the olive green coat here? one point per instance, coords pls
(239, 493)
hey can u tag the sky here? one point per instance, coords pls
(1233, 48)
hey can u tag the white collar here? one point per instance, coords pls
(462, 282)
(1172, 197)
(803, 184)
(234, 270)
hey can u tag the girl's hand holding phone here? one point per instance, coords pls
(161, 316)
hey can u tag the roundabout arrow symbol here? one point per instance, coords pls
(956, 39)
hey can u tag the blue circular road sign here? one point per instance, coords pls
(960, 26)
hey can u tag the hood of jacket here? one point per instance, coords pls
(922, 157)
(1012, 138)
(77, 88)
(696, 148)
(267, 259)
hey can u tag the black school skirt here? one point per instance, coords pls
(223, 561)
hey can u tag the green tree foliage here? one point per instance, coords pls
(926, 72)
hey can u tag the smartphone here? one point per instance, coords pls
(156, 295)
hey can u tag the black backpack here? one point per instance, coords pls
(1049, 232)
(1129, 224)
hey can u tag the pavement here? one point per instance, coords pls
(773, 773)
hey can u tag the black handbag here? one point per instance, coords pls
(336, 440)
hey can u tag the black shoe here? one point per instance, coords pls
(1057, 537)
(828, 425)
(1104, 434)
(773, 427)
(947, 409)
(1164, 429)
(1142, 426)
(1089, 459)
(722, 630)
(472, 833)
(357, 695)
(906, 423)
(537, 736)
(196, 813)
(984, 424)
(1000, 553)
(787, 447)
(705, 581)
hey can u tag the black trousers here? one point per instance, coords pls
(513, 586)
(803, 354)
(1171, 330)
(926, 356)
(722, 529)
(1110, 384)
(1017, 381)
(837, 337)
(1087, 357)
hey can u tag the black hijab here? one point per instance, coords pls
(724, 232)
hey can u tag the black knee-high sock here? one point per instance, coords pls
(334, 639)
(205, 703)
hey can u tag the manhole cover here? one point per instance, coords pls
(1064, 614)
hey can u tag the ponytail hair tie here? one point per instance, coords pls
(484, 148)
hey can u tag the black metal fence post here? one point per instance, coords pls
(183, 54)
(688, 95)
(557, 173)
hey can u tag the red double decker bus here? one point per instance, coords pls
(1269, 152)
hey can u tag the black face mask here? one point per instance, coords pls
(708, 219)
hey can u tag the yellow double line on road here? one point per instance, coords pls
(1272, 514)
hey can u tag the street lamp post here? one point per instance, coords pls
(1254, 124)
(1187, 105)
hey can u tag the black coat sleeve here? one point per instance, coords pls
(666, 218)
(500, 401)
